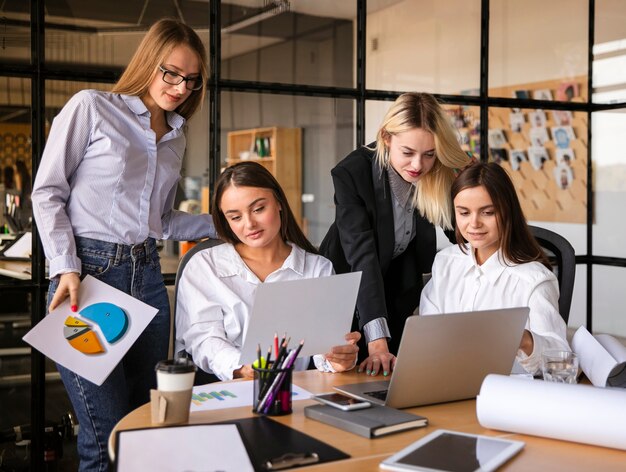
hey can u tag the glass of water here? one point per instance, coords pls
(559, 366)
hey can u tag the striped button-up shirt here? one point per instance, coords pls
(104, 176)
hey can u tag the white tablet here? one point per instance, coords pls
(453, 452)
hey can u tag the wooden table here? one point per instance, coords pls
(366, 454)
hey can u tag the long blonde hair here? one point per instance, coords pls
(421, 110)
(155, 47)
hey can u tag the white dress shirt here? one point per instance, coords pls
(459, 284)
(215, 296)
(104, 176)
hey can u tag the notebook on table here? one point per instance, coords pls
(370, 422)
(445, 357)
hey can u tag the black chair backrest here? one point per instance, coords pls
(563, 258)
(187, 257)
(202, 377)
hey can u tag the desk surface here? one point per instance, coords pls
(366, 454)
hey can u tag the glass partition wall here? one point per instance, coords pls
(542, 96)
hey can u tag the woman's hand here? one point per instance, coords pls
(528, 344)
(68, 285)
(344, 357)
(379, 360)
(244, 372)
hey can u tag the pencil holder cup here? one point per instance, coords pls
(272, 391)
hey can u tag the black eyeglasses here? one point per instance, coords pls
(172, 78)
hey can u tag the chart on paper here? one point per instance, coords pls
(231, 395)
(111, 319)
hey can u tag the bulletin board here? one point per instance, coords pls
(544, 151)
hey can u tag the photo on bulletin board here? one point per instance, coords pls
(563, 175)
(565, 155)
(516, 121)
(521, 94)
(562, 136)
(537, 155)
(517, 157)
(542, 94)
(562, 117)
(537, 118)
(498, 155)
(496, 138)
(539, 136)
(567, 91)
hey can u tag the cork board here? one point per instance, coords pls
(544, 151)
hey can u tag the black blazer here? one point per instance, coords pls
(362, 239)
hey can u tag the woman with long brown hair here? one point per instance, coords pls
(263, 244)
(496, 263)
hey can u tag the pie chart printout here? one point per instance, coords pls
(111, 319)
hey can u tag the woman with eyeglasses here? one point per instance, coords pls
(103, 194)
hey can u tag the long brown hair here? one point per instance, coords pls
(253, 174)
(517, 244)
(421, 110)
(155, 47)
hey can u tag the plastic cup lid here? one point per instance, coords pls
(180, 365)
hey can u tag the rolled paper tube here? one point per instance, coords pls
(580, 413)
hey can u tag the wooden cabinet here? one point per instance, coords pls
(279, 150)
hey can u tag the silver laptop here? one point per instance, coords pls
(445, 357)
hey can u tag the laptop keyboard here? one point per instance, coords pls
(378, 394)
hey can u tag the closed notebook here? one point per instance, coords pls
(368, 422)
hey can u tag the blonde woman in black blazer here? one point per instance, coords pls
(388, 197)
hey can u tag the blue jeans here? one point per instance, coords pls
(135, 270)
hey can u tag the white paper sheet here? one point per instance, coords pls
(22, 247)
(199, 447)
(579, 413)
(320, 311)
(217, 396)
(49, 336)
(600, 357)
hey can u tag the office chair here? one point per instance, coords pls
(563, 259)
(202, 377)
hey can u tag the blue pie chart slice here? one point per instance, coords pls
(112, 320)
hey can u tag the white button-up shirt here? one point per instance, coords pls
(104, 176)
(459, 284)
(215, 297)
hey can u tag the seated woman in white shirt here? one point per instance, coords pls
(497, 263)
(263, 244)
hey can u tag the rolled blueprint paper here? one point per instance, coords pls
(579, 413)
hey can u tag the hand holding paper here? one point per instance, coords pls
(94, 340)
